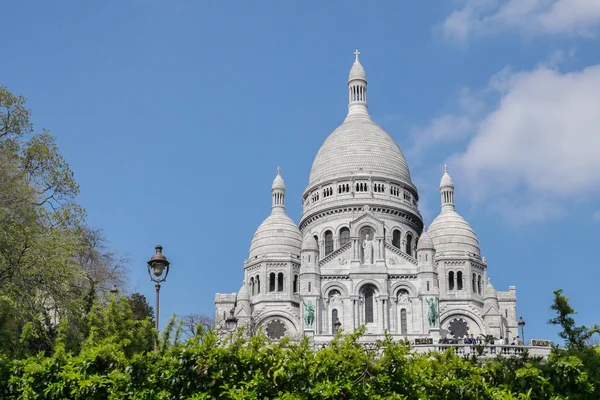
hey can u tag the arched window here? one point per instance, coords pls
(295, 283)
(272, 282)
(459, 280)
(252, 285)
(344, 236)
(257, 284)
(328, 242)
(318, 244)
(368, 295)
(403, 327)
(479, 284)
(396, 238)
(334, 318)
(409, 240)
(280, 282)
(474, 283)
(428, 286)
(451, 280)
(506, 313)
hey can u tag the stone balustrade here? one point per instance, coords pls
(479, 350)
(485, 350)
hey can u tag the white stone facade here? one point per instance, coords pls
(360, 254)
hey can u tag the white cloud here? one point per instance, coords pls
(449, 127)
(477, 17)
(536, 148)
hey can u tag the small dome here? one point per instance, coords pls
(309, 243)
(278, 235)
(357, 72)
(278, 182)
(446, 179)
(490, 291)
(243, 294)
(450, 232)
(425, 242)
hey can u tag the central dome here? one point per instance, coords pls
(359, 146)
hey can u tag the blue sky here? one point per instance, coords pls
(175, 116)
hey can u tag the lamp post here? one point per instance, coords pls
(231, 321)
(521, 324)
(158, 265)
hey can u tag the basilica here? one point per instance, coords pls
(361, 255)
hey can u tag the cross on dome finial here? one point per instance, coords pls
(445, 168)
(278, 171)
(356, 53)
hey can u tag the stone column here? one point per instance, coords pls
(326, 317)
(395, 316)
(387, 314)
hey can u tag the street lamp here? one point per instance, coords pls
(156, 266)
(231, 321)
(337, 325)
(521, 324)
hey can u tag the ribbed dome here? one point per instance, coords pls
(446, 179)
(309, 243)
(450, 232)
(359, 146)
(490, 291)
(278, 182)
(278, 235)
(357, 72)
(425, 242)
(243, 294)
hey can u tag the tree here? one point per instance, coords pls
(140, 307)
(51, 264)
(190, 323)
(575, 336)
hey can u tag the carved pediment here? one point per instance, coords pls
(338, 259)
(366, 219)
(396, 258)
(491, 311)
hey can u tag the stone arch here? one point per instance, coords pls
(364, 282)
(334, 285)
(412, 290)
(327, 228)
(470, 316)
(291, 320)
(342, 226)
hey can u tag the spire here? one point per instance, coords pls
(357, 89)
(447, 190)
(278, 193)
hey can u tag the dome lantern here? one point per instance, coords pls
(278, 193)
(357, 89)
(447, 190)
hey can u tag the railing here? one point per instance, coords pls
(478, 350)
(481, 350)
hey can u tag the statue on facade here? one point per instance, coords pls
(403, 298)
(432, 314)
(367, 250)
(309, 314)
